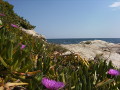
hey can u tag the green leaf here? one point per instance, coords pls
(104, 82)
(3, 62)
(27, 67)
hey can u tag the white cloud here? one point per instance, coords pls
(115, 4)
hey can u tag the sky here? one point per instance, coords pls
(71, 18)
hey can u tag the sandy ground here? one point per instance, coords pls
(89, 50)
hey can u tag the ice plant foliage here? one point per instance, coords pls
(113, 72)
(1, 14)
(22, 46)
(52, 84)
(13, 25)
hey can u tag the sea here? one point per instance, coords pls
(78, 40)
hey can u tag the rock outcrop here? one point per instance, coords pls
(90, 49)
(32, 32)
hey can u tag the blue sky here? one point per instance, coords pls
(72, 18)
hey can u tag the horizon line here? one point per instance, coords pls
(80, 38)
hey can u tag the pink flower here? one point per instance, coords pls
(13, 25)
(1, 14)
(113, 72)
(52, 84)
(22, 46)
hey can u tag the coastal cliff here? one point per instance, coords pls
(9, 17)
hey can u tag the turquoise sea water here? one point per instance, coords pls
(78, 40)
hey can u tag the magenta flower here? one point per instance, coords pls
(113, 72)
(13, 25)
(22, 46)
(52, 84)
(1, 14)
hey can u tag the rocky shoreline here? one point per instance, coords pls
(90, 49)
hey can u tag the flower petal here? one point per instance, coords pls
(13, 25)
(113, 72)
(52, 84)
(22, 46)
(1, 14)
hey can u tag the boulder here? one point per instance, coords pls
(89, 50)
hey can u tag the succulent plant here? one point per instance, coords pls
(26, 60)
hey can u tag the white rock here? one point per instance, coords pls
(90, 50)
(32, 32)
(66, 53)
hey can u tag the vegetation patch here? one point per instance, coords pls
(27, 62)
